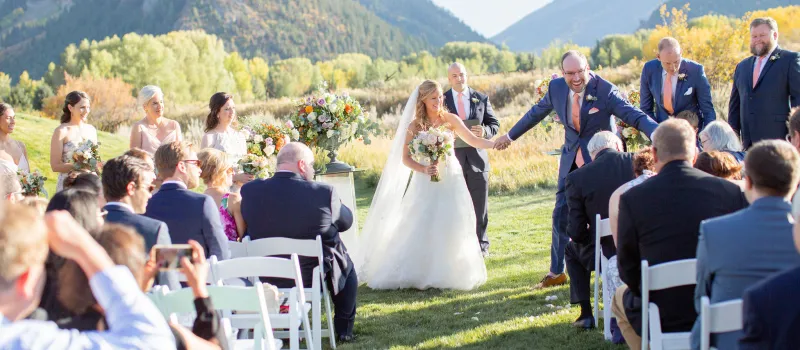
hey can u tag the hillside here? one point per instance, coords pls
(580, 21)
(33, 33)
(731, 8)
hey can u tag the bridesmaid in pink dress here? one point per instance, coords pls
(217, 174)
(153, 130)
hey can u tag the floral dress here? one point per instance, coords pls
(228, 222)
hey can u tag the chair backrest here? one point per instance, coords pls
(285, 246)
(603, 227)
(260, 267)
(721, 317)
(668, 275)
(239, 249)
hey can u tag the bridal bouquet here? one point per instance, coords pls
(87, 156)
(32, 183)
(258, 166)
(328, 120)
(542, 86)
(432, 146)
(633, 138)
(266, 139)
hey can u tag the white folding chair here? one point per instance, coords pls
(319, 290)
(276, 268)
(663, 276)
(238, 249)
(226, 298)
(718, 318)
(602, 229)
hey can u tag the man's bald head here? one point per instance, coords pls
(297, 158)
(674, 139)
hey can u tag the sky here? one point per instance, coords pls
(489, 18)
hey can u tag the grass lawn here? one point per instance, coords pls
(502, 314)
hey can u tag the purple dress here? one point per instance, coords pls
(227, 220)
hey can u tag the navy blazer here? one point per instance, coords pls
(287, 205)
(692, 93)
(190, 215)
(760, 112)
(771, 313)
(473, 159)
(597, 114)
(153, 231)
(737, 251)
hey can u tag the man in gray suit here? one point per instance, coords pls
(738, 250)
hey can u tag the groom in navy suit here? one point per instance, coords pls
(671, 84)
(588, 104)
(765, 86)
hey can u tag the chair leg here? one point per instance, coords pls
(331, 332)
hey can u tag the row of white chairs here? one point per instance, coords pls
(717, 318)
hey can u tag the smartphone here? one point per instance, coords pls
(168, 256)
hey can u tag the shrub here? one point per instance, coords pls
(112, 103)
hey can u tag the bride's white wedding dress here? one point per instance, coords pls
(425, 237)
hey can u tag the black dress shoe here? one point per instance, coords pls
(346, 338)
(585, 323)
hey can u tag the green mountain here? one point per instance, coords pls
(34, 33)
(734, 8)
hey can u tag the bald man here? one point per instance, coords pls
(292, 205)
(671, 84)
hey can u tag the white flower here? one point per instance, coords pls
(333, 107)
(330, 133)
(537, 82)
(440, 138)
(682, 76)
(258, 138)
(312, 116)
(626, 132)
(590, 98)
(475, 100)
(270, 149)
(295, 134)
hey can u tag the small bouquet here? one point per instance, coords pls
(32, 183)
(432, 146)
(86, 156)
(633, 138)
(542, 87)
(258, 166)
(266, 139)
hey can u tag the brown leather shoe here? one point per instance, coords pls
(552, 281)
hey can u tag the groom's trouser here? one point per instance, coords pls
(478, 185)
(559, 232)
(344, 304)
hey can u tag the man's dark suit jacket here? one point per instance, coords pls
(473, 159)
(659, 221)
(190, 215)
(589, 189)
(287, 205)
(761, 113)
(771, 313)
(153, 231)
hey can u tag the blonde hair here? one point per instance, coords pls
(37, 203)
(426, 89)
(147, 93)
(23, 236)
(214, 165)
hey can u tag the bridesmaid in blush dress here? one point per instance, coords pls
(154, 129)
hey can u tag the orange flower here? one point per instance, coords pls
(348, 108)
(309, 109)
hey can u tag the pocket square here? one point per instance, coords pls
(688, 92)
(594, 110)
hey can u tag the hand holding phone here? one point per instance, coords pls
(168, 256)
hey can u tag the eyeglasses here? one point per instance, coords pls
(194, 161)
(150, 188)
(789, 137)
(102, 213)
(572, 74)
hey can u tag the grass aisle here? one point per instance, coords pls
(502, 314)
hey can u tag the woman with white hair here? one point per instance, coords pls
(153, 130)
(718, 136)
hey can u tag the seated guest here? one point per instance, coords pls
(188, 215)
(86, 180)
(217, 174)
(659, 221)
(291, 204)
(770, 310)
(37, 203)
(718, 136)
(588, 191)
(738, 250)
(694, 121)
(133, 321)
(720, 164)
(127, 183)
(794, 138)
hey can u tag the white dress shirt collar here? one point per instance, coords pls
(122, 205)
(179, 183)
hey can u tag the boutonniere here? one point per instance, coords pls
(682, 76)
(775, 57)
(475, 100)
(591, 98)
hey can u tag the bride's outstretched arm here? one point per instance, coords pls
(467, 135)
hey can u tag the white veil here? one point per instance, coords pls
(383, 213)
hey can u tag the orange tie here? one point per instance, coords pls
(668, 94)
(576, 121)
(462, 110)
(757, 71)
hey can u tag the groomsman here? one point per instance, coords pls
(671, 84)
(765, 85)
(588, 104)
(472, 105)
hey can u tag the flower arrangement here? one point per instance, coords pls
(327, 120)
(432, 146)
(266, 139)
(87, 156)
(256, 165)
(32, 183)
(633, 138)
(542, 87)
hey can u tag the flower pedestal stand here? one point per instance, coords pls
(344, 184)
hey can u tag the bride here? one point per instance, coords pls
(422, 236)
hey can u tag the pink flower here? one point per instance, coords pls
(289, 124)
(554, 76)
